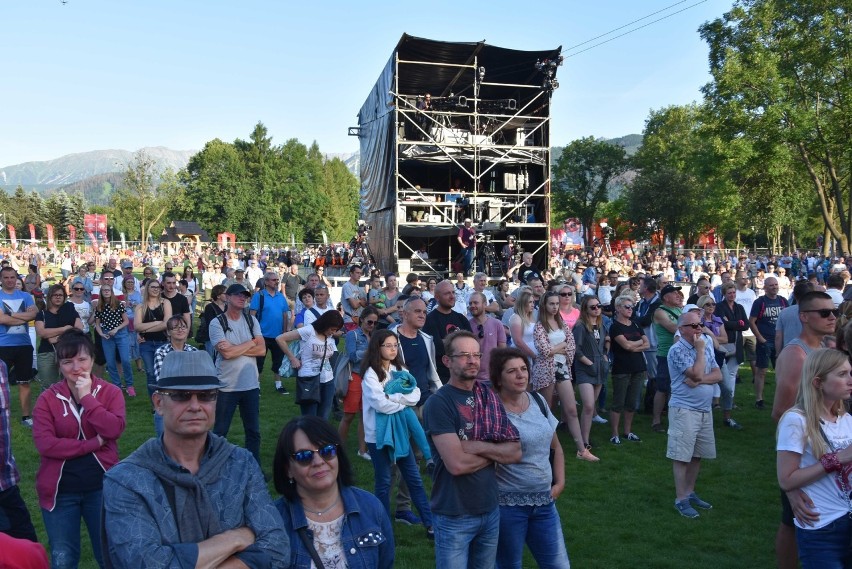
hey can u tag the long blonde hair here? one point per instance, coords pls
(810, 401)
(521, 306)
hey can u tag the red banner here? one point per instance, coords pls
(224, 238)
(95, 226)
(12, 236)
(32, 232)
(72, 233)
(50, 241)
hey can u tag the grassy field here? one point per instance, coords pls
(616, 513)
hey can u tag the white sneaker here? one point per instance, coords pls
(599, 420)
(365, 455)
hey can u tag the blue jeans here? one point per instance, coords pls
(63, 527)
(466, 542)
(323, 408)
(409, 472)
(208, 346)
(120, 342)
(537, 526)
(147, 350)
(249, 404)
(827, 547)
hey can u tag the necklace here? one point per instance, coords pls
(325, 511)
(517, 409)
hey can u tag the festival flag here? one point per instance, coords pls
(50, 241)
(72, 233)
(12, 236)
(32, 232)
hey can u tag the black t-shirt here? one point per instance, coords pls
(180, 305)
(450, 410)
(624, 361)
(525, 273)
(66, 316)
(439, 326)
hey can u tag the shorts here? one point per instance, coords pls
(750, 348)
(690, 435)
(663, 382)
(352, 402)
(19, 363)
(765, 353)
(626, 388)
(786, 510)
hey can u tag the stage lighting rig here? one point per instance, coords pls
(548, 68)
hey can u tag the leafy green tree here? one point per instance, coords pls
(782, 71)
(583, 177)
(142, 195)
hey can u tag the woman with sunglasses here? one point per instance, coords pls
(58, 317)
(83, 278)
(814, 457)
(567, 305)
(111, 323)
(76, 424)
(591, 362)
(734, 322)
(628, 367)
(150, 323)
(356, 342)
(328, 520)
(528, 490)
(381, 360)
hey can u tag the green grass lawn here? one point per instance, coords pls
(615, 513)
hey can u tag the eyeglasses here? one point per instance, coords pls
(178, 327)
(594, 307)
(185, 396)
(695, 326)
(467, 355)
(370, 322)
(306, 456)
(566, 294)
(825, 312)
(391, 346)
(77, 288)
(481, 330)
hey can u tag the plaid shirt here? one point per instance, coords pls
(9, 476)
(160, 355)
(490, 421)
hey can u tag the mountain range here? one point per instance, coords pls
(94, 173)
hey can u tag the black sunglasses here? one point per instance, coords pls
(695, 326)
(77, 288)
(566, 294)
(481, 331)
(825, 312)
(306, 456)
(185, 396)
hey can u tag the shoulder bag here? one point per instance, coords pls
(308, 388)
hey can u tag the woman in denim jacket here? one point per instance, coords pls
(326, 518)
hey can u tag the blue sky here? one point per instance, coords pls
(97, 74)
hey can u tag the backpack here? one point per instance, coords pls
(202, 334)
(223, 320)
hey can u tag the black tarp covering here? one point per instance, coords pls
(377, 130)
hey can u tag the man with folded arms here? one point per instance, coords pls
(190, 498)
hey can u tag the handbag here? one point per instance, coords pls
(730, 349)
(308, 388)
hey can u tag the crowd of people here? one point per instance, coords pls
(470, 384)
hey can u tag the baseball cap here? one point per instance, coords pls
(237, 289)
(668, 288)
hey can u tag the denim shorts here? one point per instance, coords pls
(663, 382)
(765, 353)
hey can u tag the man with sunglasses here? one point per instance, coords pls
(190, 498)
(693, 371)
(818, 317)
(489, 331)
(272, 311)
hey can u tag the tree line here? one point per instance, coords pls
(765, 157)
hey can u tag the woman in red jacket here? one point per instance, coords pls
(76, 426)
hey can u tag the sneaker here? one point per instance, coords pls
(131, 392)
(282, 390)
(733, 424)
(587, 455)
(27, 422)
(633, 437)
(365, 455)
(759, 404)
(408, 518)
(599, 420)
(685, 509)
(587, 446)
(658, 428)
(698, 502)
(430, 533)
(615, 440)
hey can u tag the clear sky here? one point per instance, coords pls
(100, 74)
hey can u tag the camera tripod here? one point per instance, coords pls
(487, 259)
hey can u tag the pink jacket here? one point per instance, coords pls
(57, 426)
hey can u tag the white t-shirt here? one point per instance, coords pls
(84, 309)
(825, 492)
(746, 298)
(311, 354)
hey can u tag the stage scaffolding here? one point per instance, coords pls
(480, 149)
